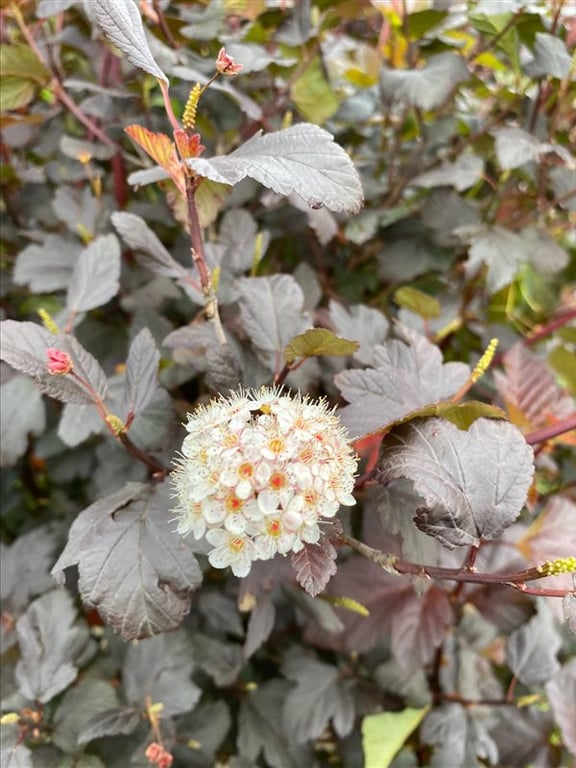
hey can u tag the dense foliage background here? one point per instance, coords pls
(459, 118)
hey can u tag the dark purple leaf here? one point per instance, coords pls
(51, 641)
(271, 310)
(260, 624)
(158, 669)
(122, 24)
(320, 697)
(94, 279)
(303, 159)
(532, 649)
(405, 377)
(79, 705)
(133, 567)
(419, 627)
(261, 728)
(314, 565)
(17, 422)
(561, 692)
(459, 736)
(141, 372)
(110, 723)
(473, 483)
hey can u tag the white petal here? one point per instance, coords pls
(268, 502)
(235, 523)
(220, 557)
(244, 489)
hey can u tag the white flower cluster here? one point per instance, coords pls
(258, 472)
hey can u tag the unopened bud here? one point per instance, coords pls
(59, 363)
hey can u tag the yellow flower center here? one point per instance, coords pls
(245, 471)
(276, 445)
(237, 544)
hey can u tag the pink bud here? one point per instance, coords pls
(59, 362)
(226, 65)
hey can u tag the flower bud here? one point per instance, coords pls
(258, 474)
(226, 65)
(59, 363)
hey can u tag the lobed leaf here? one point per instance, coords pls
(473, 483)
(261, 729)
(95, 276)
(427, 87)
(320, 697)
(111, 722)
(461, 174)
(531, 650)
(271, 310)
(46, 266)
(303, 159)
(51, 641)
(405, 377)
(158, 670)
(121, 23)
(314, 565)
(80, 704)
(132, 566)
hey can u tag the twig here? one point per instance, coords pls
(553, 430)
(393, 564)
(199, 258)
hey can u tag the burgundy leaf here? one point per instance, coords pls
(314, 565)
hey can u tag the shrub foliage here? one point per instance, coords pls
(366, 201)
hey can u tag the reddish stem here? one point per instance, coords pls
(553, 430)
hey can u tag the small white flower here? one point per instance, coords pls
(258, 473)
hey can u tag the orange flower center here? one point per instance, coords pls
(274, 528)
(245, 470)
(233, 503)
(305, 456)
(277, 481)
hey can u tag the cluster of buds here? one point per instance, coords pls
(157, 755)
(259, 472)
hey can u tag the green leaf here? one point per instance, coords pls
(20, 61)
(561, 359)
(462, 415)
(383, 735)
(417, 302)
(422, 21)
(318, 341)
(313, 95)
(16, 92)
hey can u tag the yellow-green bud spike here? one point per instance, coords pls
(189, 114)
(47, 321)
(558, 566)
(348, 603)
(485, 361)
(116, 423)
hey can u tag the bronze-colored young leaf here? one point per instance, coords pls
(318, 341)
